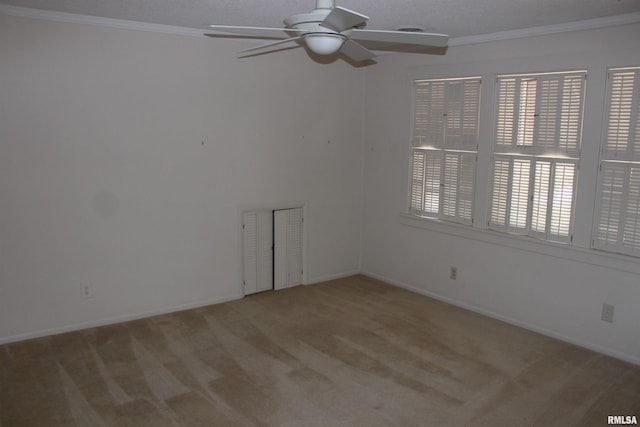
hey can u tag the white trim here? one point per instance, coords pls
(73, 18)
(117, 319)
(328, 277)
(525, 243)
(525, 325)
(587, 24)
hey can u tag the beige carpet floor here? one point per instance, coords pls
(350, 352)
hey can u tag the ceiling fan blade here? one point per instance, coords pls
(257, 32)
(401, 37)
(340, 19)
(279, 42)
(356, 52)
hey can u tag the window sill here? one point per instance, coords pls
(557, 250)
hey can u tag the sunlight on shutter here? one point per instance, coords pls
(506, 111)
(466, 181)
(436, 123)
(519, 202)
(527, 112)
(500, 193)
(571, 117)
(433, 162)
(462, 106)
(417, 181)
(621, 102)
(548, 116)
(471, 107)
(540, 196)
(422, 94)
(562, 201)
(454, 114)
(451, 170)
(611, 195)
(459, 176)
(429, 119)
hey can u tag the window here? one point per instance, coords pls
(536, 153)
(618, 206)
(444, 148)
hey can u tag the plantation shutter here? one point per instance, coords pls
(429, 122)
(538, 133)
(540, 114)
(552, 202)
(519, 203)
(458, 185)
(433, 169)
(510, 196)
(618, 212)
(416, 204)
(623, 124)
(443, 162)
(612, 199)
(505, 130)
(501, 193)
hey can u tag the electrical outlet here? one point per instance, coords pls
(86, 290)
(453, 273)
(607, 312)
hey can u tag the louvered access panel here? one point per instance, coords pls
(287, 252)
(257, 254)
(271, 249)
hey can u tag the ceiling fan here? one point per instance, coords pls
(329, 29)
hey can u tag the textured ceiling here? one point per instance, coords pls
(454, 17)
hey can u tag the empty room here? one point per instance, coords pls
(319, 213)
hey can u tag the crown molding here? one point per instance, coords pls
(588, 24)
(73, 18)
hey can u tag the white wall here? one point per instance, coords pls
(556, 290)
(125, 157)
(104, 179)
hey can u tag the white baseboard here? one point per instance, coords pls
(136, 316)
(525, 325)
(116, 319)
(326, 278)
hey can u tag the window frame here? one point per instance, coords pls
(616, 189)
(446, 158)
(549, 136)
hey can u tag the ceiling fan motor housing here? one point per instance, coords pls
(309, 21)
(321, 40)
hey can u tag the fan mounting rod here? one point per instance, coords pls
(325, 4)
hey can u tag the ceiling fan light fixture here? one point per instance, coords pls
(324, 43)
